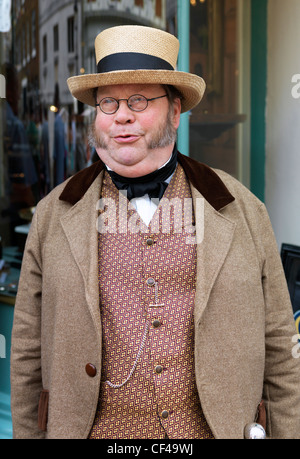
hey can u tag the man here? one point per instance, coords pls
(164, 317)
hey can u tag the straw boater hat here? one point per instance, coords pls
(137, 55)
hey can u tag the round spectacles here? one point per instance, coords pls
(137, 103)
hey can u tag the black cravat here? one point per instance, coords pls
(152, 184)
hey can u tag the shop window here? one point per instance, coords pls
(38, 93)
(40, 62)
(214, 55)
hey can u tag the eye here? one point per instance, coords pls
(108, 101)
(108, 104)
(137, 101)
(137, 98)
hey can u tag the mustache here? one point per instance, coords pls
(95, 140)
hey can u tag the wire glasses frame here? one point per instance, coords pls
(136, 103)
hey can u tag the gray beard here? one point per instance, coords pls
(166, 135)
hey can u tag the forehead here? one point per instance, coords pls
(128, 89)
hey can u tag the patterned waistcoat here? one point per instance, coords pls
(147, 288)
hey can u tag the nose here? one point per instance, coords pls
(124, 115)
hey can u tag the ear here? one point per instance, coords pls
(177, 112)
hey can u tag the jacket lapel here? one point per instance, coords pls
(79, 225)
(216, 237)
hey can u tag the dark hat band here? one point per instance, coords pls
(132, 61)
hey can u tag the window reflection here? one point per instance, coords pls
(213, 55)
(44, 128)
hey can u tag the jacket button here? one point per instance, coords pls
(91, 370)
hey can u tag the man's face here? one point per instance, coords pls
(132, 143)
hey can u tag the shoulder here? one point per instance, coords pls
(241, 193)
(73, 189)
(248, 211)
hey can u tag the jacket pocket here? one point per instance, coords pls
(43, 410)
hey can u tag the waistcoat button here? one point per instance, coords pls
(164, 414)
(150, 241)
(158, 369)
(156, 323)
(91, 370)
(150, 281)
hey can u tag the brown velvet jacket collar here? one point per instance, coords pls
(202, 177)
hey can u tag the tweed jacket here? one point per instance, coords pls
(242, 313)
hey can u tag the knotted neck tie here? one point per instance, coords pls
(153, 184)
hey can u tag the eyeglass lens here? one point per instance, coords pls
(137, 103)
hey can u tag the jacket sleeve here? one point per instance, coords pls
(26, 379)
(282, 369)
